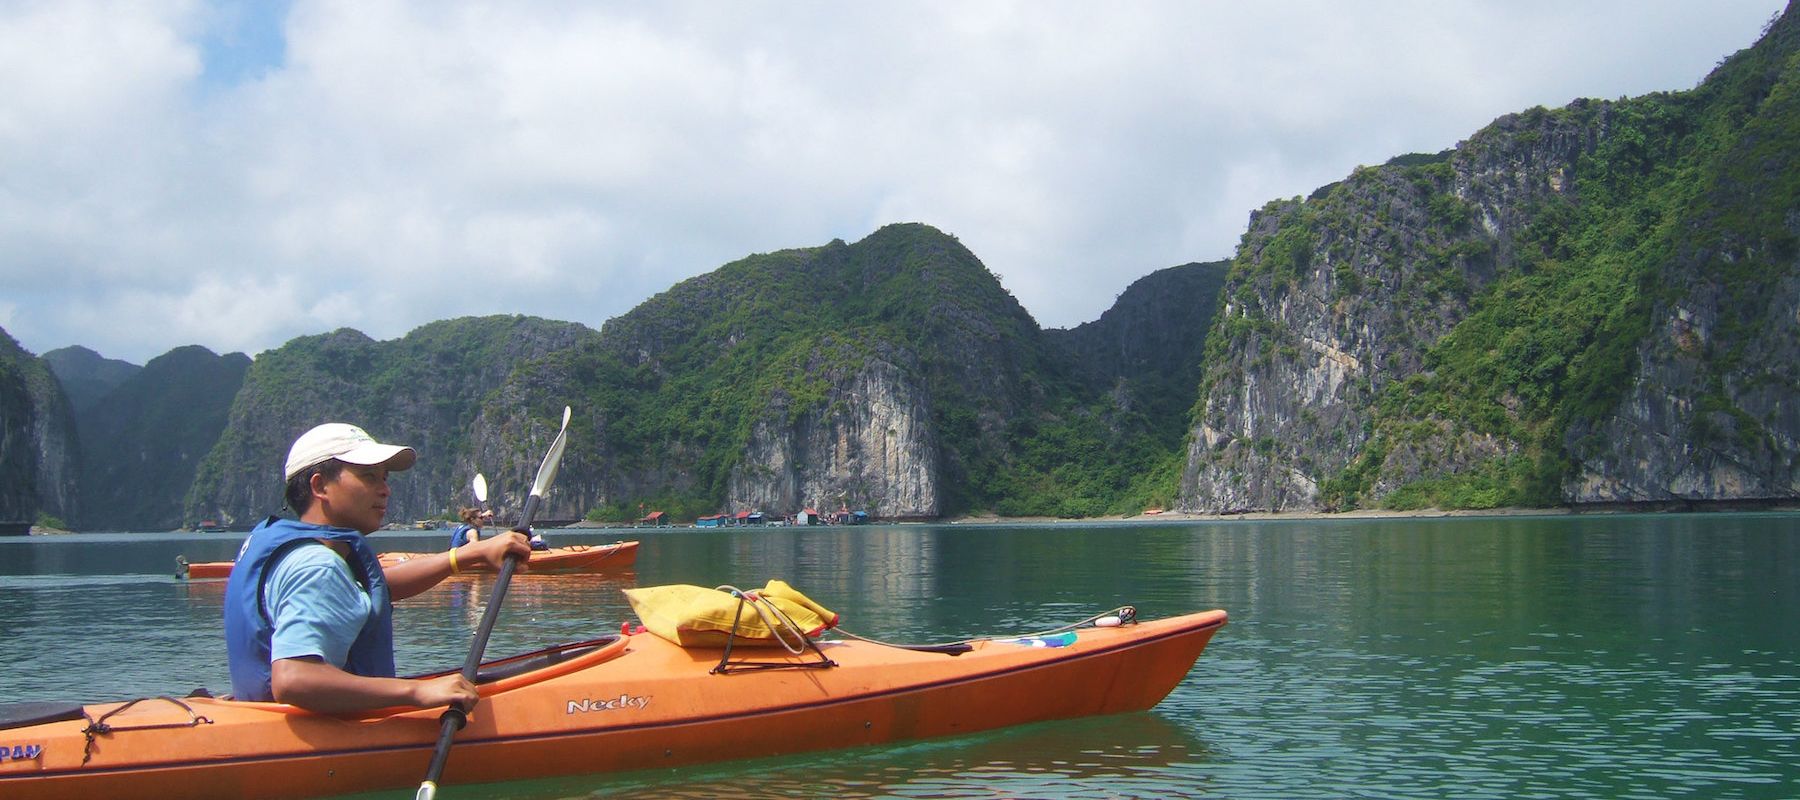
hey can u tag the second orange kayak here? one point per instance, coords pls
(574, 558)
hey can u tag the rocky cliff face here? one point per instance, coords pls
(1453, 319)
(821, 377)
(1711, 412)
(39, 452)
(870, 447)
(1690, 432)
(1334, 297)
(513, 431)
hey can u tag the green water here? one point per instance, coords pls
(1597, 656)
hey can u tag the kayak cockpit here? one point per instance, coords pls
(504, 674)
(19, 715)
(512, 672)
(548, 663)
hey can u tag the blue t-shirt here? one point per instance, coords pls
(317, 606)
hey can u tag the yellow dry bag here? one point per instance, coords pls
(695, 616)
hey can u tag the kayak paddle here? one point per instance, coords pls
(454, 718)
(480, 487)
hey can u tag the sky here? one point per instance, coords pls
(236, 174)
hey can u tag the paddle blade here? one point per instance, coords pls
(480, 487)
(547, 473)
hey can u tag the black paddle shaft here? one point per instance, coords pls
(454, 718)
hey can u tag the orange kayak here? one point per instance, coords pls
(619, 703)
(574, 558)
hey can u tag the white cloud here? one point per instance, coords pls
(404, 162)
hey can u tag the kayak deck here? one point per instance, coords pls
(621, 703)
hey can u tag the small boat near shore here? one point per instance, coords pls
(573, 558)
(617, 703)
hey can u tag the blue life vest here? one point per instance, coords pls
(249, 630)
(460, 536)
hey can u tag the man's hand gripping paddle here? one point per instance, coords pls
(453, 718)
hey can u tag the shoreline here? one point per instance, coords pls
(1783, 506)
(1596, 509)
(1184, 516)
(1788, 506)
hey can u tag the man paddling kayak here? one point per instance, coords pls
(308, 609)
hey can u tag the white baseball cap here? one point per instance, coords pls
(346, 443)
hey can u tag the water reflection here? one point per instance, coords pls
(1140, 755)
(1606, 656)
(432, 630)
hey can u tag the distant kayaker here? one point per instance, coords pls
(473, 520)
(309, 611)
(476, 519)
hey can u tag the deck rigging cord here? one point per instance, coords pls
(100, 727)
(1123, 615)
(781, 622)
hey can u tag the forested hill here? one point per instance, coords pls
(1592, 304)
(142, 440)
(426, 390)
(893, 375)
(87, 376)
(1145, 349)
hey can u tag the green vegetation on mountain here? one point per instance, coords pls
(684, 378)
(1589, 304)
(18, 459)
(38, 457)
(142, 441)
(1138, 366)
(87, 376)
(1561, 306)
(753, 384)
(425, 389)
(1701, 181)
(684, 382)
